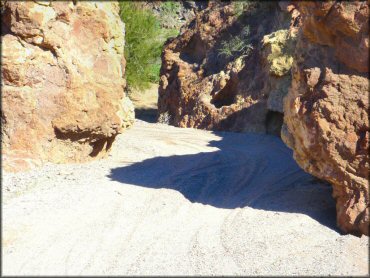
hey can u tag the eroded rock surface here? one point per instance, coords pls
(62, 81)
(326, 110)
(203, 87)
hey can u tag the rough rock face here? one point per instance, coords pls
(202, 86)
(62, 81)
(326, 110)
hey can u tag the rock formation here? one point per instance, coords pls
(318, 51)
(62, 74)
(230, 68)
(326, 110)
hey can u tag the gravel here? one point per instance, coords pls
(171, 201)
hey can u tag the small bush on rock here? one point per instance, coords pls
(236, 45)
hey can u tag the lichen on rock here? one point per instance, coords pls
(278, 49)
(280, 46)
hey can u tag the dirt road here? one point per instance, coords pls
(176, 201)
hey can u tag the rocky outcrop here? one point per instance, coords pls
(326, 110)
(232, 71)
(62, 81)
(230, 68)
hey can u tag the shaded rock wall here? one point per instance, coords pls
(203, 88)
(62, 81)
(326, 110)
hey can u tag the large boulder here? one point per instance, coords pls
(229, 69)
(326, 109)
(63, 81)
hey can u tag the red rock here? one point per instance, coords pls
(201, 88)
(326, 109)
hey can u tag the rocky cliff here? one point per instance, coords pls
(230, 68)
(62, 81)
(326, 111)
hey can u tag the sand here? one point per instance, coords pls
(171, 201)
(145, 102)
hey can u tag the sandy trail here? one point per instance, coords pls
(176, 201)
(145, 102)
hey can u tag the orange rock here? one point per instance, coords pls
(202, 88)
(329, 130)
(62, 80)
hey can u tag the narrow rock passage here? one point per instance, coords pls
(176, 201)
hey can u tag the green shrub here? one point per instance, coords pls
(142, 47)
(243, 6)
(236, 45)
(144, 43)
(169, 11)
(170, 7)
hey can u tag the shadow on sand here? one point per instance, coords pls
(148, 115)
(251, 170)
